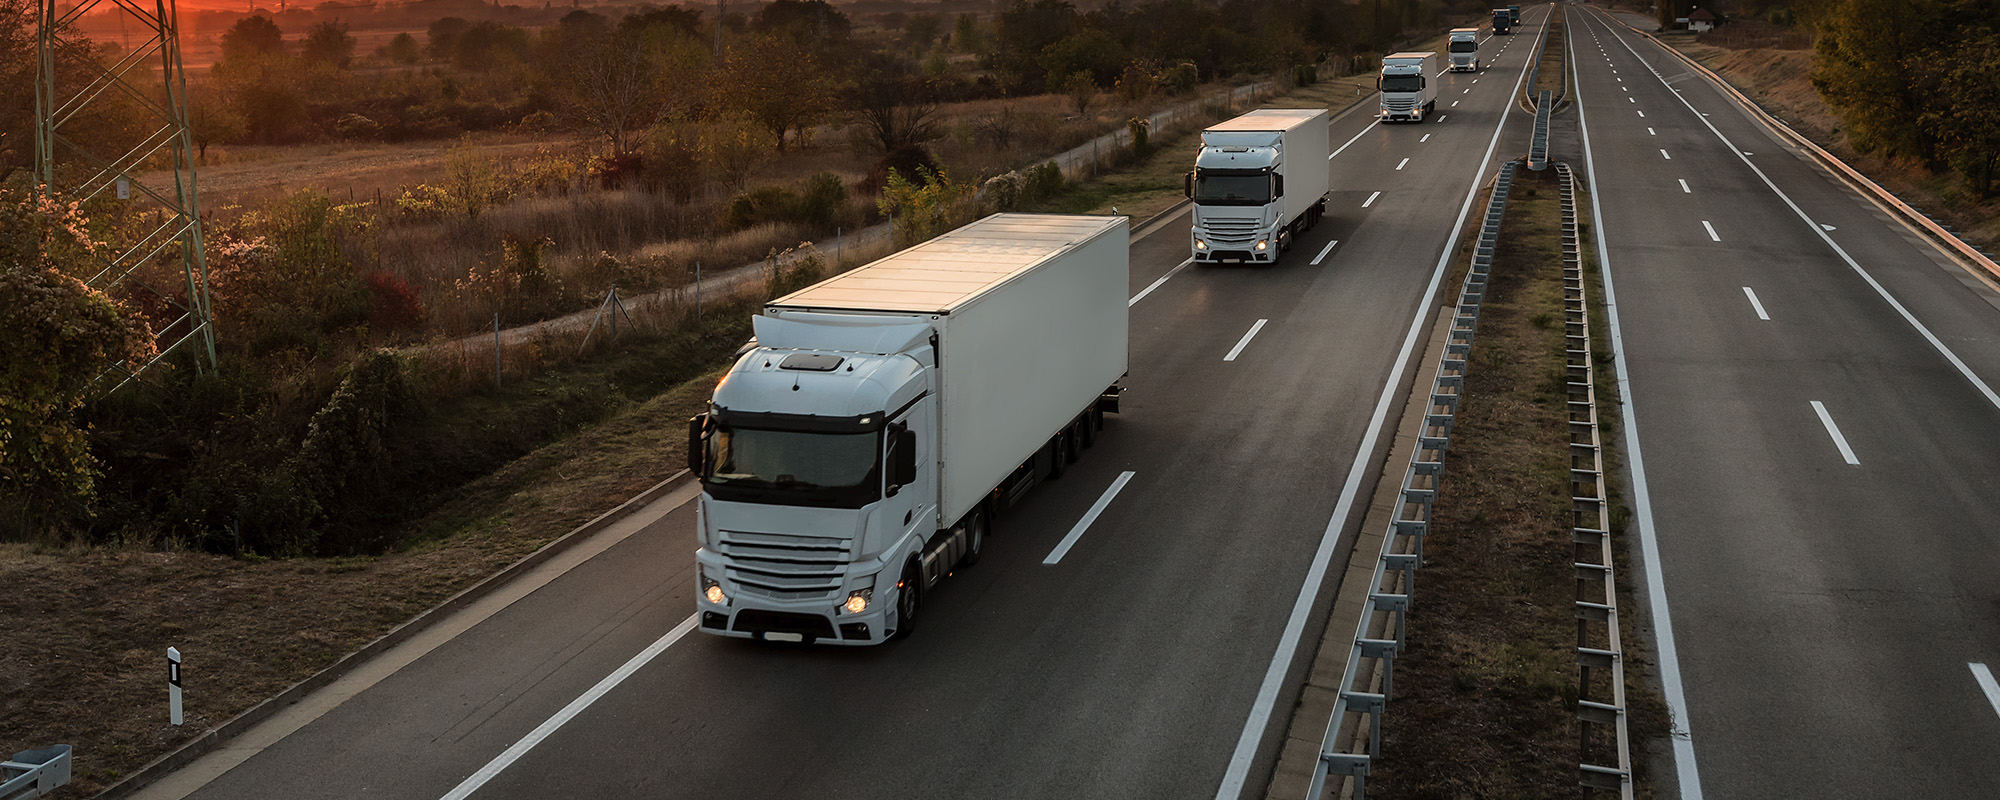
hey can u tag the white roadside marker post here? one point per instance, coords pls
(174, 685)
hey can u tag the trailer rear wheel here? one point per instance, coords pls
(909, 600)
(1058, 458)
(1087, 427)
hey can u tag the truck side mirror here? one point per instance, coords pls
(903, 457)
(1187, 185)
(1278, 186)
(697, 444)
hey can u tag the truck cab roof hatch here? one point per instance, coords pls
(810, 362)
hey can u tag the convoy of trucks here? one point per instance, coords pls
(1464, 49)
(1259, 180)
(1503, 22)
(858, 452)
(1408, 93)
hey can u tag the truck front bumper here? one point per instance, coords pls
(748, 614)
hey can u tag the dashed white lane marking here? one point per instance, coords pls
(1642, 113)
(1991, 687)
(1400, 165)
(1245, 341)
(1371, 200)
(1649, 132)
(1322, 253)
(1075, 533)
(1427, 137)
(1663, 154)
(1156, 284)
(1834, 431)
(1684, 186)
(1756, 305)
(1711, 231)
(1454, 104)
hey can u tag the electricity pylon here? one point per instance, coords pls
(123, 128)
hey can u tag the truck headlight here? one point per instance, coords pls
(857, 600)
(1200, 245)
(712, 589)
(1263, 244)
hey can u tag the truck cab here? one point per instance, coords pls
(1259, 181)
(1407, 92)
(1465, 50)
(1503, 22)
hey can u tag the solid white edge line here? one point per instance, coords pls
(1288, 642)
(1846, 453)
(1686, 773)
(1371, 200)
(501, 762)
(1245, 341)
(1322, 253)
(1364, 132)
(1747, 292)
(1984, 677)
(1711, 231)
(1956, 362)
(1156, 284)
(1076, 532)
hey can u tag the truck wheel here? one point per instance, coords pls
(1058, 460)
(976, 526)
(909, 600)
(1087, 427)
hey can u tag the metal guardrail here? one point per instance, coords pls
(1597, 632)
(33, 773)
(1354, 729)
(1538, 145)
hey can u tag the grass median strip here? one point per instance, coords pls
(1487, 686)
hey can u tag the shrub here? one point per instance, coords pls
(759, 205)
(1042, 183)
(1142, 145)
(396, 306)
(821, 199)
(1004, 191)
(1181, 78)
(357, 128)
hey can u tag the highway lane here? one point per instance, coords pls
(1125, 669)
(1816, 447)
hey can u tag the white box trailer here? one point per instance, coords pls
(861, 448)
(1259, 180)
(1409, 86)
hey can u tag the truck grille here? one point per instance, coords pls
(1230, 231)
(1399, 103)
(783, 567)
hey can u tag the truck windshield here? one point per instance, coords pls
(799, 468)
(1464, 46)
(1216, 187)
(1402, 83)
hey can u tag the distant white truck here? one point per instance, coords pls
(1464, 49)
(1407, 92)
(1259, 181)
(858, 452)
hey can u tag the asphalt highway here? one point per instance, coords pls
(1809, 395)
(1156, 658)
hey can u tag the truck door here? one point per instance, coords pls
(914, 505)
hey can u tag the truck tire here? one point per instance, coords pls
(909, 600)
(1087, 427)
(1058, 463)
(977, 525)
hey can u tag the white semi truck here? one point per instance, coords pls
(1259, 180)
(857, 454)
(1407, 91)
(1464, 49)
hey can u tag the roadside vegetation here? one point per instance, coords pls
(1907, 91)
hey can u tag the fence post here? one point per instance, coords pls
(496, 349)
